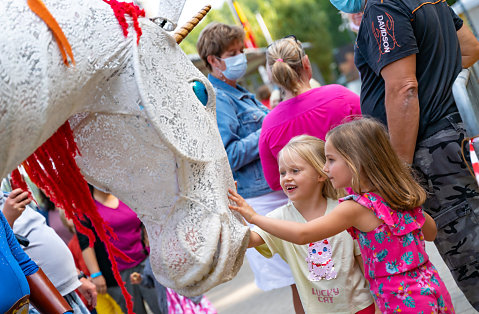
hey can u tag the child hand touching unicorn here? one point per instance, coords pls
(383, 212)
(327, 273)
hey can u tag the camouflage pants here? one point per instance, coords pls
(453, 202)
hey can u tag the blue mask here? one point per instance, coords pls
(349, 6)
(235, 67)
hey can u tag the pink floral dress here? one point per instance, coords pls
(178, 304)
(401, 277)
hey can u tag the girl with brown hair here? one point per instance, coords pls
(383, 212)
(333, 264)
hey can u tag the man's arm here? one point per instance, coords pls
(402, 105)
(469, 46)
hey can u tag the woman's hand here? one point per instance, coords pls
(89, 291)
(15, 204)
(242, 207)
(135, 278)
(100, 284)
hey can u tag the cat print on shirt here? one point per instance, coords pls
(320, 263)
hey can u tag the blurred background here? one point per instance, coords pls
(326, 33)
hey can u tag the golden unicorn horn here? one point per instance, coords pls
(188, 27)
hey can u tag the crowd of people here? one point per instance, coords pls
(340, 191)
(399, 166)
(80, 275)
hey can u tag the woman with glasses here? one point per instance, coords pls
(240, 116)
(303, 110)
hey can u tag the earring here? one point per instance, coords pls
(222, 77)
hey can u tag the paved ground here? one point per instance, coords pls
(240, 295)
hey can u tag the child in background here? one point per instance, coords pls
(383, 213)
(328, 273)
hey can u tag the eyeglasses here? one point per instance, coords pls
(293, 37)
(303, 53)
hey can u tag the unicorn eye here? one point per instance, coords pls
(200, 91)
(314, 251)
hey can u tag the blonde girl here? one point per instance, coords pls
(382, 212)
(328, 273)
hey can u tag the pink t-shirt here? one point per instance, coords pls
(127, 227)
(314, 113)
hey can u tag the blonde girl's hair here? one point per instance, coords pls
(365, 146)
(284, 58)
(311, 149)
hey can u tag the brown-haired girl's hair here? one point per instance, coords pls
(311, 149)
(365, 146)
(216, 38)
(284, 58)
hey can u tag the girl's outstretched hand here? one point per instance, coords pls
(242, 207)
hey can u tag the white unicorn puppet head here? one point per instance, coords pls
(142, 133)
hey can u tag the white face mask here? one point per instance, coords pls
(235, 67)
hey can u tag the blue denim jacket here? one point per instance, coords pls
(240, 116)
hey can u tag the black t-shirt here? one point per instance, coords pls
(394, 29)
(101, 254)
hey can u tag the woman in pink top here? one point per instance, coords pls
(304, 110)
(127, 227)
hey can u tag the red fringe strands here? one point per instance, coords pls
(122, 8)
(18, 181)
(53, 169)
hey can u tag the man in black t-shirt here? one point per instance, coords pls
(409, 53)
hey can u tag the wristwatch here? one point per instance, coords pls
(81, 275)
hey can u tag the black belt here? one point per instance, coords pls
(444, 123)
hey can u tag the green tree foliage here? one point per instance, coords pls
(308, 21)
(313, 21)
(222, 15)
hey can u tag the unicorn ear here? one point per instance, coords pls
(168, 11)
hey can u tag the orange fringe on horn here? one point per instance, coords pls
(53, 169)
(41, 10)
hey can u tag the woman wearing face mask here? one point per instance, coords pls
(240, 116)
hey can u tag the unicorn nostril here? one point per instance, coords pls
(200, 91)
